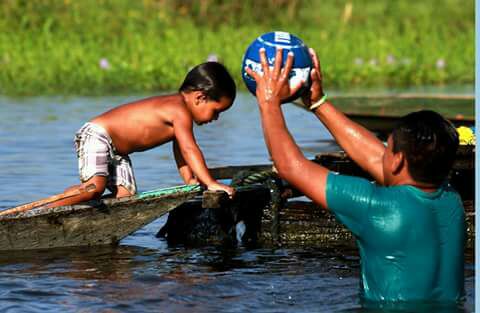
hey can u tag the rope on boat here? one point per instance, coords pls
(274, 183)
(256, 177)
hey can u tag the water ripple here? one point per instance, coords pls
(143, 273)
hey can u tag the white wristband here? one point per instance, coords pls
(318, 103)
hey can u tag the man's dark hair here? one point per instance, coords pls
(212, 78)
(430, 144)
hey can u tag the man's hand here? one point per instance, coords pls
(316, 89)
(273, 84)
(272, 88)
(218, 186)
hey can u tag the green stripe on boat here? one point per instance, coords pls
(169, 190)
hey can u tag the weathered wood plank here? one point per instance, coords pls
(95, 223)
(305, 223)
(214, 199)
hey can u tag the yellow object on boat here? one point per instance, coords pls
(466, 135)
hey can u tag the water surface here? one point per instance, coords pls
(37, 159)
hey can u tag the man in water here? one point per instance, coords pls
(409, 223)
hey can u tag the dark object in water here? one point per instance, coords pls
(298, 222)
(232, 222)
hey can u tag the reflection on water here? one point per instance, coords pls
(210, 279)
(207, 279)
(37, 159)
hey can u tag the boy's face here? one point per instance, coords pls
(208, 110)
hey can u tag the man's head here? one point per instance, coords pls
(428, 143)
(209, 90)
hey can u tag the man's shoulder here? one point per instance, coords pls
(342, 189)
(342, 181)
(362, 190)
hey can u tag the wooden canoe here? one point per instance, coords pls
(101, 222)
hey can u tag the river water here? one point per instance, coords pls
(143, 273)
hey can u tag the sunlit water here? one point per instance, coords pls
(37, 159)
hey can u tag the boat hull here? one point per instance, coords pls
(101, 222)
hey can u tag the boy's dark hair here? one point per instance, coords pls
(430, 144)
(212, 78)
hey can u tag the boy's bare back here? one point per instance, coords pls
(143, 124)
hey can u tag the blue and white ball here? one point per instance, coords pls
(302, 63)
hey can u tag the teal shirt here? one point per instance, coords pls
(411, 242)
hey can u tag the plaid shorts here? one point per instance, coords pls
(97, 157)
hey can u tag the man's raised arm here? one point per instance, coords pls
(360, 144)
(272, 87)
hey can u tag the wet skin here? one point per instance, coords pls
(147, 123)
(151, 122)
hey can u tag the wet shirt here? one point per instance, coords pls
(411, 242)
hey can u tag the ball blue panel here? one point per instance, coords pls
(302, 63)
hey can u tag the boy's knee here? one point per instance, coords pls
(96, 193)
(93, 188)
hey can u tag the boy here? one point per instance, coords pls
(104, 143)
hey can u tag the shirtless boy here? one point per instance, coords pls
(104, 143)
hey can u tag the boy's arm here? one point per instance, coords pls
(184, 170)
(183, 130)
(360, 144)
(306, 176)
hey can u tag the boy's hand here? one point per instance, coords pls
(316, 89)
(218, 186)
(273, 84)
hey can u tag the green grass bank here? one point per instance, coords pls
(124, 46)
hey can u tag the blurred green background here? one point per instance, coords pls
(124, 46)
